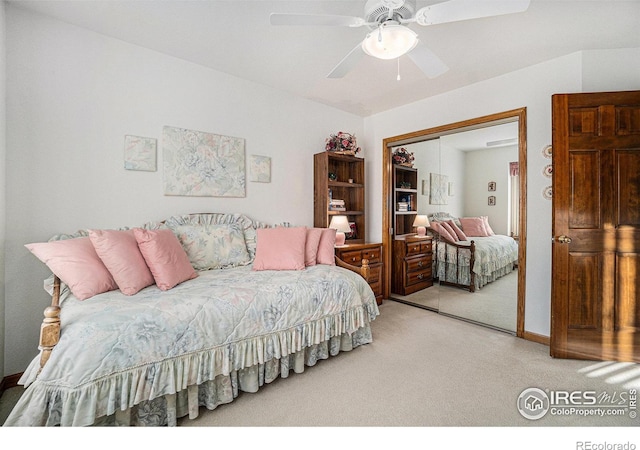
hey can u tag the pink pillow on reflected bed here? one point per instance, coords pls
(473, 226)
(442, 231)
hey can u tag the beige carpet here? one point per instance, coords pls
(495, 304)
(423, 370)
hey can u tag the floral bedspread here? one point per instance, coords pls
(494, 257)
(117, 351)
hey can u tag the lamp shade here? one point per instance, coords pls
(389, 41)
(421, 222)
(341, 225)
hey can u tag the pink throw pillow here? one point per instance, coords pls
(77, 264)
(311, 246)
(442, 231)
(473, 226)
(457, 230)
(487, 227)
(326, 247)
(450, 230)
(118, 250)
(280, 248)
(165, 257)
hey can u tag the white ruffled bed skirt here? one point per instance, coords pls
(167, 409)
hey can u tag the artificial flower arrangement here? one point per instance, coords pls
(342, 142)
(403, 157)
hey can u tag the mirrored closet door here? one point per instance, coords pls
(442, 187)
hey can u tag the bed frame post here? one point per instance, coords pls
(472, 286)
(365, 270)
(50, 328)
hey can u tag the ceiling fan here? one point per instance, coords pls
(390, 37)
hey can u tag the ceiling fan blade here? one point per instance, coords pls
(315, 20)
(427, 61)
(456, 10)
(347, 63)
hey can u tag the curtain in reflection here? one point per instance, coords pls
(514, 181)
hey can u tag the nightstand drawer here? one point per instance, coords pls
(375, 280)
(375, 274)
(372, 255)
(418, 264)
(412, 264)
(353, 257)
(418, 277)
(354, 254)
(414, 248)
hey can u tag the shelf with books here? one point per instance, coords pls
(405, 197)
(339, 183)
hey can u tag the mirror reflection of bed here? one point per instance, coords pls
(466, 183)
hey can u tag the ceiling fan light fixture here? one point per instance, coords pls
(389, 41)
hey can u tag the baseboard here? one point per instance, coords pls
(10, 381)
(540, 339)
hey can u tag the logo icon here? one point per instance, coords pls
(533, 403)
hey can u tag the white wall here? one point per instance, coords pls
(607, 70)
(72, 97)
(481, 167)
(434, 156)
(531, 88)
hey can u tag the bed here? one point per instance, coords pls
(467, 253)
(159, 354)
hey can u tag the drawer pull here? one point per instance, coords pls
(353, 259)
(419, 263)
(420, 277)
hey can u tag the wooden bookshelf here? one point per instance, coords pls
(405, 197)
(347, 184)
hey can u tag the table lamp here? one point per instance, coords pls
(421, 222)
(341, 225)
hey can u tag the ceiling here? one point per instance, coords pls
(236, 37)
(478, 139)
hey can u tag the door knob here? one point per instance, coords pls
(562, 239)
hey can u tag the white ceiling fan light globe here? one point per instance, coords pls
(389, 41)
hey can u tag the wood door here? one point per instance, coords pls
(595, 305)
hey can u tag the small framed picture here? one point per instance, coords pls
(492, 186)
(492, 200)
(354, 232)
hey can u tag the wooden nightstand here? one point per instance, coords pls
(355, 253)
(412, 264)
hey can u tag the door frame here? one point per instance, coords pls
(519, 114)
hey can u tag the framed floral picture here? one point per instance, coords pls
(140, 153)
(202, 164)
(438, 189)
(260, 169)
